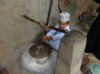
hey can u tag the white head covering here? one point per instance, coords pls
(64, 17)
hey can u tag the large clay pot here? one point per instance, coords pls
(40, 52)
(38, 59)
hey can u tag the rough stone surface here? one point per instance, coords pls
(67, 5)
(40, 50)
(70, 52)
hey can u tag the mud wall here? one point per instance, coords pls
(15, 30)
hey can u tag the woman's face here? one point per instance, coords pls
(62, 25)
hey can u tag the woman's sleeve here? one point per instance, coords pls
(98, 1)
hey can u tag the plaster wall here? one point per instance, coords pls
(15, 30)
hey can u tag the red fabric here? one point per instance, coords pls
(4, 71)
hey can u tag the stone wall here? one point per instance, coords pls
(70, 53)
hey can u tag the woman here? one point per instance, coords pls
(93, 37)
